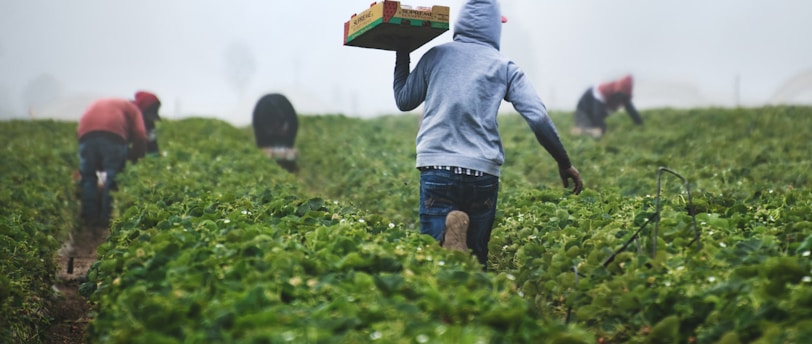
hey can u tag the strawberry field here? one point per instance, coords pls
(695, 228)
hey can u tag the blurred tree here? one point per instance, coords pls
(41, 91)
(797, 89)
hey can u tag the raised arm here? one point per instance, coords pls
(632, 111)
(527, 102)
(410, 89)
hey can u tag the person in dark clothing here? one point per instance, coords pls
(275, 126)
(149, 104)
(105, 131)
(599, 102)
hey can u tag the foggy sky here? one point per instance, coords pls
(216, 58)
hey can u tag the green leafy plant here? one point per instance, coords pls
(213, 242)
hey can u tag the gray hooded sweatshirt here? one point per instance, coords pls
(463, 83)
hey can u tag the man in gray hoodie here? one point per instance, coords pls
(459, 149)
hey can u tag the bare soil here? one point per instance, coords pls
(70, 311)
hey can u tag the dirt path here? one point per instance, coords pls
(70, 310)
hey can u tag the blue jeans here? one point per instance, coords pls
(442, 191)
(99, 153)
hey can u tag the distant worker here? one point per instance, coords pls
(599, 101)
(105, 130)
(275, 127)
(149, 104)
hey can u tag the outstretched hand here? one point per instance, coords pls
(572, 173)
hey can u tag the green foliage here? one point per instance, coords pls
(37, 209)
(368, 164)
(748, 176)
(213, 242)
(222, 245)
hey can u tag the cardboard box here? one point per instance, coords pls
(388, 25)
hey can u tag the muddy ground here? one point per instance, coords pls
(70, 311)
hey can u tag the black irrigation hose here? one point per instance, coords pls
(690, 210)
(654, 217)
(611, 258)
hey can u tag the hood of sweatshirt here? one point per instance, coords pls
(479, 21)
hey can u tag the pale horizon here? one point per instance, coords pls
(210, 58)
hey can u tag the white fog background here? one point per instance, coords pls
(216, 58)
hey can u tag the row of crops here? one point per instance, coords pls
(214, 243)
(38, 208)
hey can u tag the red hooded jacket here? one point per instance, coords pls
(615, 93)
(117, 116)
